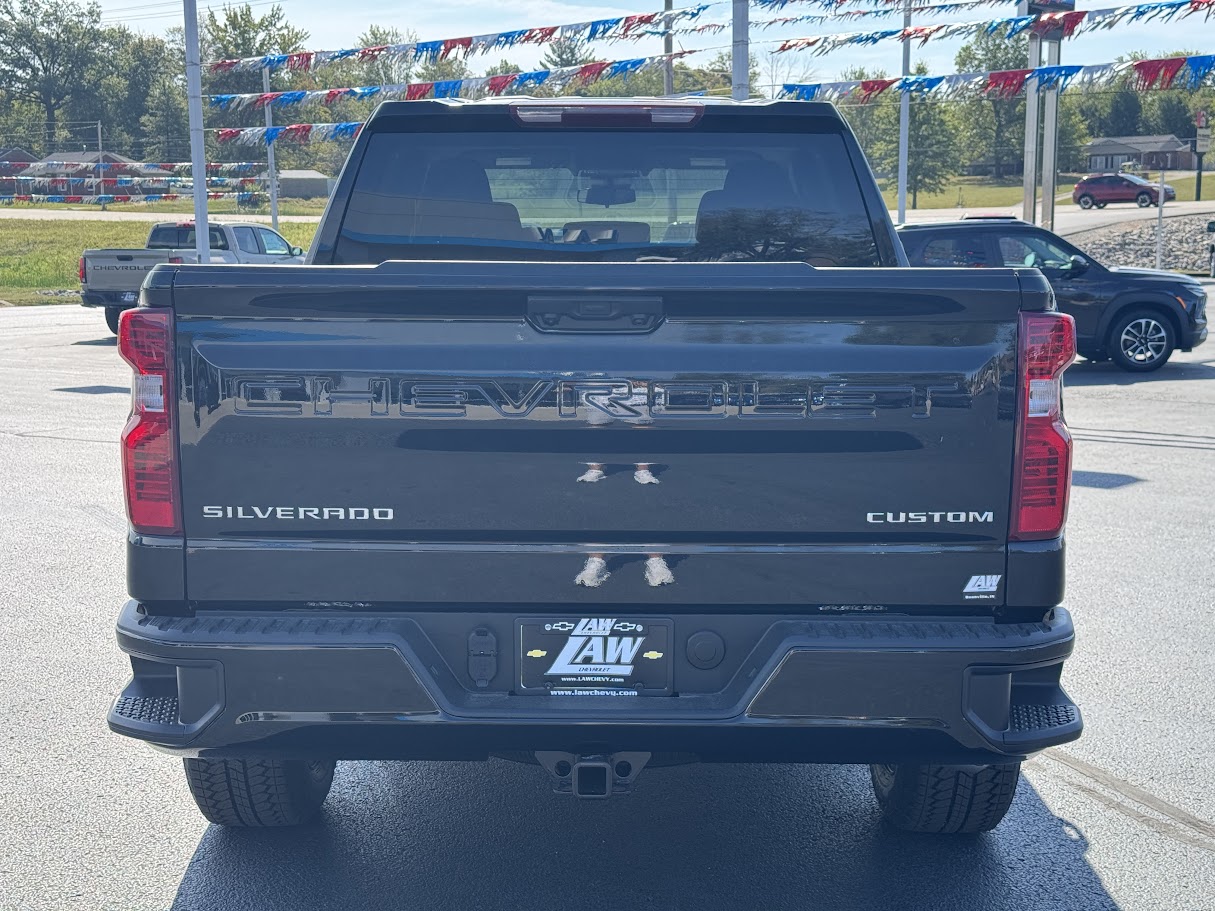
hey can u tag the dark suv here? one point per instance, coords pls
(1097, 190)
(1135, 317)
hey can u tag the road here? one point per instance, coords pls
(1069, 219)
(1124, 818)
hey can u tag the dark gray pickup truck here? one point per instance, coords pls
(598, 436)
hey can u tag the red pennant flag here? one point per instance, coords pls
(370, 53)
(631, 23)
(298, 132)
(870, 88)
(920, 33)
(1157, 73)
(540, 35)
(797, 44)
(300, 61)
(170, 196)
(1008, 83)
(222, 66)
(122, 199)
(418, 90)
(333, 95)
(496, 85)
(72, 198)
(591, 72)
(452, 44)
(262, 100)
(227, 135)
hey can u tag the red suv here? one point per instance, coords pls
(1099, 189)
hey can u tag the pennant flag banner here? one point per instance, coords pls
(1068, 24)
(621, 28)
(1169, 72)
(45, 182)
(108, 199)
(216, 167)
(505, 84)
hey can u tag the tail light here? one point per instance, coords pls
(80, 270)
(149, 439)
(1043, 471)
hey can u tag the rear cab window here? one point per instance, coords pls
(624, 195)
(178, 237)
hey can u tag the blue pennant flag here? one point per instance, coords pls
(448, 88)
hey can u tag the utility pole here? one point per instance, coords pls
(904, 118)
(198, 148)
(271, 172)
(740, 53)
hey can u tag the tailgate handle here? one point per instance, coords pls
(124, 257)
(594, 313)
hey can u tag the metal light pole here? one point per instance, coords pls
(668, 47)
(198, 149)
(740, 53)
(100, 188)
(1050, 137)
(904, 119)
(1160, 220)
(1029, 173)
(271, 172)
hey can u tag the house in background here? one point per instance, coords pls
(77, 173)
(13, 161)
(1112, 153)
(301, 184)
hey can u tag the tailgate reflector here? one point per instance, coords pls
(149, 444)
(1043, 468)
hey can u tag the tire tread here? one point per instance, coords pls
(258, 793)
(948, 799)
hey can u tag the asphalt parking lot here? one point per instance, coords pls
(1125, 818)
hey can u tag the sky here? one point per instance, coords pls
(331, 30)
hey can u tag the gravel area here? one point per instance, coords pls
(1186, 243)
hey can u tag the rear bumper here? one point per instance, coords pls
(807, 689)
(106, 299)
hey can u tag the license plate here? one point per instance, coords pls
(128, 297)
(595, 656)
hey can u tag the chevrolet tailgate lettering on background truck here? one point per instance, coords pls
(827, 523)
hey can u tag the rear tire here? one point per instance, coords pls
(1141, 341)
(1086, 201)
(1144, 199)
(941, 799)
(111, 318)
(259, 792)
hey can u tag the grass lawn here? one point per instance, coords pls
(974, 193)
(42, 255)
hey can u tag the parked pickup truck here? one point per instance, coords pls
(111, 277)
(598, 436)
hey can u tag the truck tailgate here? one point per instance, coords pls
(119, 270)
(717, 434)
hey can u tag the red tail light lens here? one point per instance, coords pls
(149, 439)
(80, 270)
(1043, 477)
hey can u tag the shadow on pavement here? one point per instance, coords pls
(96, 390)
(109, 342)
(1103, 480)
(478, 836)
(1103, 373)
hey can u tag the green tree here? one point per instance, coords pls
(165, 127)
(565, 52)
(47, 50)
(993, 127)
